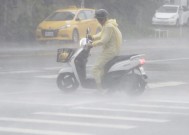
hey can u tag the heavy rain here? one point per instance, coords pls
(47, 56)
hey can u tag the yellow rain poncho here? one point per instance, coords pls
(110, 38)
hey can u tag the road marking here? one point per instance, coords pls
(51, 104)
(24, 92)
(36, 132)
(52, 68)
(46, 104)
(87, 124)
(131, 110)
(47, 76)
(54, 76)
(149, 85)
(164, 84)
(166, 60)
(151, 106)
(102, 117)
(167, 101)
(19, 72)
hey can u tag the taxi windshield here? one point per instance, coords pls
(61, 16)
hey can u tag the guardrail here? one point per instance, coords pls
(161, 33)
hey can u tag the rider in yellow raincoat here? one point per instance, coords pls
(110, 38)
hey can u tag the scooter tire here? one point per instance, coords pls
(67, 82)
(133, 84)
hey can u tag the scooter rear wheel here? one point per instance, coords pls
(67, 82)
(133, 84)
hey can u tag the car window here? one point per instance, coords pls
(89, 14)
(166, 9)
(61, 16)
(82, 15)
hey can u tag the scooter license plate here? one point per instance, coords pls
(142, 70)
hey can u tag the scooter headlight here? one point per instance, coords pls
(83, 42)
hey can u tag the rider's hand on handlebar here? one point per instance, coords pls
(90, 37)
(89, 45)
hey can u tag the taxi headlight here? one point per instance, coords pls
(65, 27)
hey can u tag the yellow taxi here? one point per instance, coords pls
(68, 24)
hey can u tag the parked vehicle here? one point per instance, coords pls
(173, 15)
(124, 72)
(68, 24)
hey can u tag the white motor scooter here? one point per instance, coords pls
(123, 72)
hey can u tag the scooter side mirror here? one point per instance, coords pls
(88, 31)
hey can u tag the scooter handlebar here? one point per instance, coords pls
(88, 46)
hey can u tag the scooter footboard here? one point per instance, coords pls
(112, 79)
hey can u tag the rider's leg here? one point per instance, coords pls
(98, 70)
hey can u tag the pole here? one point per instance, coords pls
(181, 19)
(82, 3)
(5, 19)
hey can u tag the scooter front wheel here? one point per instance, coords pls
(67, 82)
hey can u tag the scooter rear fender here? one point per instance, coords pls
(125, 65)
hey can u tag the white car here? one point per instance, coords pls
(171, 15)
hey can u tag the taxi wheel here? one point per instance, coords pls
(75, 36)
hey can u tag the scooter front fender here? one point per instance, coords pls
(66, 69)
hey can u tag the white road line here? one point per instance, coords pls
(102, 117)
(52, 68)
(19, 72)
(164, 84)
(167, 101)
(37, 103)
(51, 104)
(131, 110)
(166, 60)
(25, 92)
(36, 132)
(54, 76)
(150, 85)
(87, 124)
(151, 106)
(47, 76)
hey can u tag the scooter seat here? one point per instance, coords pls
(115, 60)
